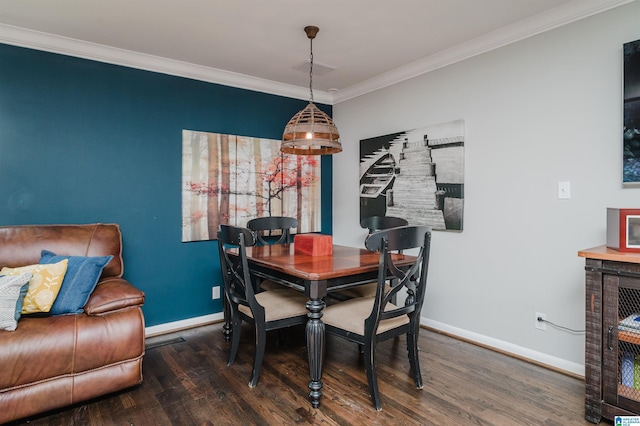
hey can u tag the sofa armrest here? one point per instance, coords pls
(112, 294)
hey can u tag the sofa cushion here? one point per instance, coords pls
(45, 348)
(43, 286)
(12, 291)
(22, 245)
(81, 278)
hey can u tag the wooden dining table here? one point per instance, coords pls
(316, 276)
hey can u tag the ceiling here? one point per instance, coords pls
(362, 45)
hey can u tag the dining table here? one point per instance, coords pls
(317, 276)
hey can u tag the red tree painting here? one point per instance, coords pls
(232, 179)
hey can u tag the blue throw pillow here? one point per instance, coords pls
(79, 281)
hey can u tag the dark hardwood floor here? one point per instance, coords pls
(187, 382)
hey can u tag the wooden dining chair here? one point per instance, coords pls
(373, 223)
(267, 310)
(378, 223)
(273, 229)
(369, 320)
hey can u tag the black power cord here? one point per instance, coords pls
(540, 319)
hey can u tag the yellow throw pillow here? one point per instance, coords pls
(43, 286)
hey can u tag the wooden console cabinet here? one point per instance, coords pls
(612, 340)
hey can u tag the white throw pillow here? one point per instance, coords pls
(12, 291)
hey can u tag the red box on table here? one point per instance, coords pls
(313, 244)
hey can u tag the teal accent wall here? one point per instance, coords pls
(84, 141)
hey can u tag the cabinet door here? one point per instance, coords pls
(621, 340)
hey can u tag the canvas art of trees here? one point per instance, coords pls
(232, 179)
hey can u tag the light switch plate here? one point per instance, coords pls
(564, 190)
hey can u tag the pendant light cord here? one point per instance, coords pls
(311, 70)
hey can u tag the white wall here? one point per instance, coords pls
(540, 111)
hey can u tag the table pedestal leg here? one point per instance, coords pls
(315, 349)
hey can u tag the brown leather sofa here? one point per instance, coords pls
(50, 362)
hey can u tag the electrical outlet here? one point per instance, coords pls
(540, 325)
(215, 292)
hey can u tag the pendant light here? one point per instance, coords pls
(311, 131)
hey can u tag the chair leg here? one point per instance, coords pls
(236, 324)
(261, 342)
(414, 359)
(226, 328)
(372, 376)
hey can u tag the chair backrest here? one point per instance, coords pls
(267, 228)
(411, 278)
(377, 223)
(235, 269)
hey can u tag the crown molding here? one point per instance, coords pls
(67, 46)
(548, 20)
(553, 18)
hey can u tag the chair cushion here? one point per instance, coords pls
(270, 285)
(366, 290)
(350, 316)
(279, 304)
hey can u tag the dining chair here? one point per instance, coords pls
(266, 230)
(373, 223)
(267, 310)
(378, 223)
(370, 320)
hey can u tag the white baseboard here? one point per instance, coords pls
(558, 363)
(170, 327)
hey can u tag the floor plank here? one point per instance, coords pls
(187, 382)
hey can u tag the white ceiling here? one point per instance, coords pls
(258, 44)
